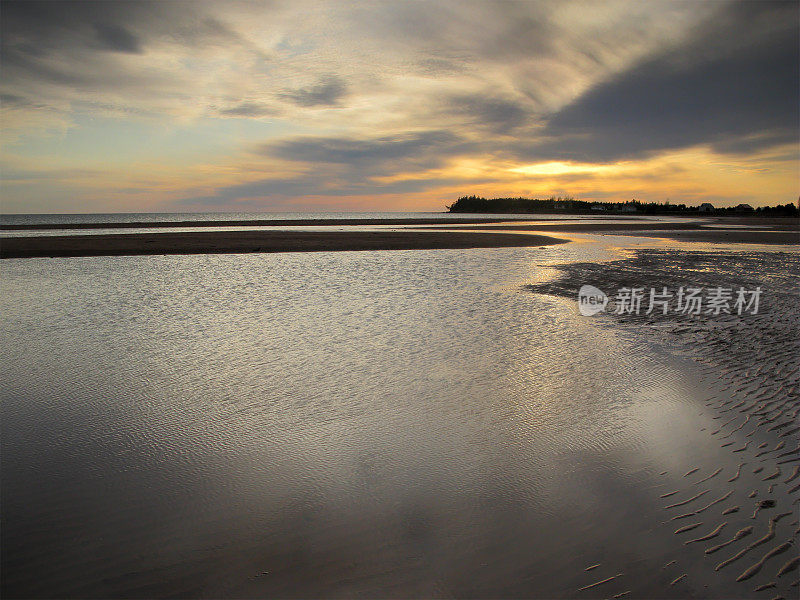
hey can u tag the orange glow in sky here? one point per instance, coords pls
(400, 106)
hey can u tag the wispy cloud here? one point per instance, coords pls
(327, 92)
(422, 98)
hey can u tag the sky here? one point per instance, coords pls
(394, 106)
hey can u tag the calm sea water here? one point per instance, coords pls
(26, 219)
(381, 424)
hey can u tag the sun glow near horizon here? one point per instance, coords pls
(393, 106)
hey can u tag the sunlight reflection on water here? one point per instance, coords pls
(304, 424)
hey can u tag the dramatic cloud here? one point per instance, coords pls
(425, 146)
(116, 37)
(260, 102)
(327, 92)
(733, 85)
(500, 115)
(250, 109)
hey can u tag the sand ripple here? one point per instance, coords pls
(750, 361)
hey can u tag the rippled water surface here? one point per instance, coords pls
(28, 219)
(387, 424)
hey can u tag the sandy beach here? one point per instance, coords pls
(255, 241)
(487, 234)
(733, 520)
(730, 230)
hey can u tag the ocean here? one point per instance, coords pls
(30, 219)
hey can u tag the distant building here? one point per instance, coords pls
(706, 207)
(744, 208)
(599, 208)
(628, 207)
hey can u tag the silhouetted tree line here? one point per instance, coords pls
(477, 204)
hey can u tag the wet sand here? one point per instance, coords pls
(725, 236)
(258, 241)
(488, 234)
(715, 230)
(733, 524)
(723, 522)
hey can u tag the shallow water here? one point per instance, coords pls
(221, 228)
(28, 219)
(387, 424)
(88, 219)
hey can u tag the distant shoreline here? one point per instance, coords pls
(508, 217)
(568, 205)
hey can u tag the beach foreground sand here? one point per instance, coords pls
(534, 452)
(730, 522)
(478, 234)
(216, 242)
(742, 230)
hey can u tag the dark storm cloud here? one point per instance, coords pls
(733, 85)
(316, 185)
(249, 109)
(350, 167)
(500, 115)
(34, 28)
(528, 32)
(438, 66)
(78, 45)
(752, 143)
(116, 37)
(327, 92)
(54, 50)
(14, 100)
(503, 31)
(23, 62)
(428, 145)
